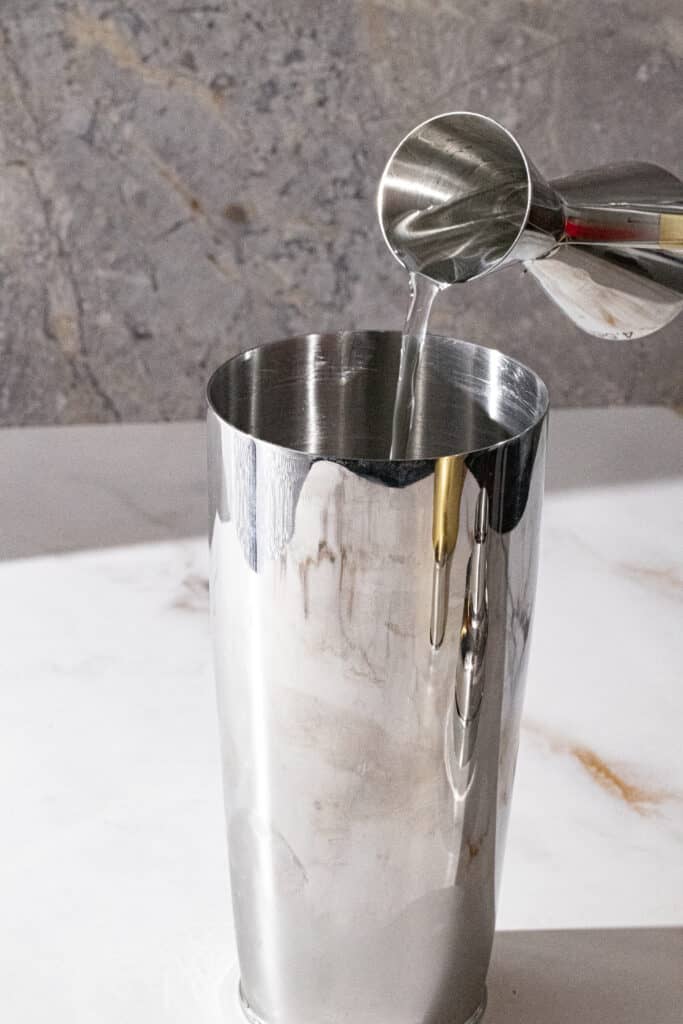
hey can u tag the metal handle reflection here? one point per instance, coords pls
(449, 476)
(469, 675)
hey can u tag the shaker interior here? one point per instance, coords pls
(333, 395)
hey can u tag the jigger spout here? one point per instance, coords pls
(459, 199)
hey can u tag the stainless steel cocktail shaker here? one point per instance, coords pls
(371, 626)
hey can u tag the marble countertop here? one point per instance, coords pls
(114, 881)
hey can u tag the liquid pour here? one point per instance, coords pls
(423, 291)
(475, 230)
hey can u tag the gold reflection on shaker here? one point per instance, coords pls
(449, 475)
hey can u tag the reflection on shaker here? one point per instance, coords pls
(449, 474)
(469, 676)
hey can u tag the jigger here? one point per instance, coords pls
(459, 198)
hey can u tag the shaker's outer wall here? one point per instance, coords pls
(365, 822)
(181, 181)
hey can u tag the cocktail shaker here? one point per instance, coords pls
(371, 623)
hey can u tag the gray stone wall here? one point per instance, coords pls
(182, 179)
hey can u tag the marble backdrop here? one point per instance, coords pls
(182, 179)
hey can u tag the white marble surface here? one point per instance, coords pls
(114, 878)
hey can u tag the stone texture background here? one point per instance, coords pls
(183, 179)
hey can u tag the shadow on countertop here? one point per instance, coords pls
(611, 976)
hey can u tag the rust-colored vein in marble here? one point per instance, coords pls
(668, 578)
(194, 596)
(635, 796)
(638, 798)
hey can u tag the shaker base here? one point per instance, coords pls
(254, 1018)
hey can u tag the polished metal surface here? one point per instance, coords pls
(459, 198)
(370, 622)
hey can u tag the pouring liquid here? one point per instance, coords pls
(473, 231)
(423, 291)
